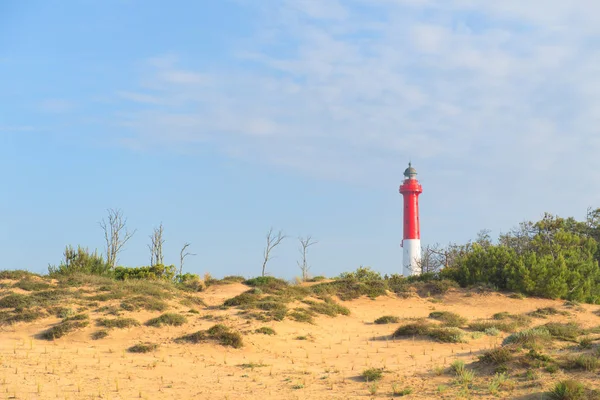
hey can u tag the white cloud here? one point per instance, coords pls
(502, 91)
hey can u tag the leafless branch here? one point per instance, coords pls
(156, 246)
(305, 243)
(182, 255)
(115, 235)
(272, 242)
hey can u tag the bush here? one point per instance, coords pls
(246, 299)
(417, 328)
(16, 274)
(448, 318)
(567, 332)
(583, 361)
(362, 274)
(372, 374)
(265, 330)
(171, 319)
(446, 335)
(101, 334)
(80, 261)
(301, 315)
(219, 333)
(568, 390)
(387, 319)
(143, 348)
(504, 326)
(63, 329)
(31, 285)
(140, 302)
(534, 338)
(155, 272)
(120, 323)
(496, 356)
(190, 282)
(546, 311)
(329, 307)
(15, 300)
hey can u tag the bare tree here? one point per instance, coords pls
(115, 235)
(156, 246)
(272, 242)
(305, 243)
(182, 255)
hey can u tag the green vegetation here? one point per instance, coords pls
(218, 333)
(424, 328)
(534, 338)
(372, 374)
(387, 319)
(143, 348)
(546, 311)
(568, 390)
(265, 330)
(63, 328)
(170, 319)
(120, 323)
(448, 318)
(497, 355)
(101, 334)
(568, 331)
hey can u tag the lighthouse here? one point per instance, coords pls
(411, 242)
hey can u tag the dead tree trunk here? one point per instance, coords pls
(272, 242)
(156, 246)
(115, 235)
(305, 243)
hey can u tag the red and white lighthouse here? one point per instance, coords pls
(411, 243)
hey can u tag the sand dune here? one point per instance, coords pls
(326, 363)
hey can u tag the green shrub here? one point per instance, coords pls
(31, 285)
(533, 338)
(141, 302)
(503, 326)
(492, 331)
(448, 318)
(567, 332)
(318, 278)
(387, 319)
(20, 315)
(586, 343)
(63, 329)
(171, 319)
(16, 300)
(546, 311)
(301, 315)
(143, 348)
(155, 272)
(568, 390)
(16, 274)
(372, 374)
(101, 334)
(446, 335)
(246, 299)
(496, 356)
(265, 330)
(120, 323)
(416, 328)
(329, 307)
(583, 361)
(362, 274)
(79, 261)
(219, 333)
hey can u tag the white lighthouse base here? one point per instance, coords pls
(411, 264)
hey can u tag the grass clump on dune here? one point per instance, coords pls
(567, 332)
(218, 333)
(569, 390)
(101, 334)
(63, 329)
(497, 356)
(448, 318)
(31, 285)
(170, 319)
(120, 323)
(534, 338)
(484, 325)
(546, 311)
(425, 328)
(146, 303)
(387, 319)
(265, 330)
(328, 307)
(302, 315)
(143, 348)
(372, 374)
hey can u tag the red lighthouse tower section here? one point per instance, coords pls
(411, 243)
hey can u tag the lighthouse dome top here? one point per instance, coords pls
(410, 172)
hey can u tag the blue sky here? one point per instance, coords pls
(223, 118)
